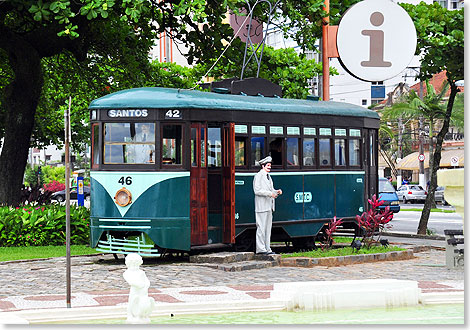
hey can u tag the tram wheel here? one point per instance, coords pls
(304, 243)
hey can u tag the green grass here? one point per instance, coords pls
(346, 251)
(432, 210)
(342, 239)
(37, 252)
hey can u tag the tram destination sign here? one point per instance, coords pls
(376, 40)
(127, 113)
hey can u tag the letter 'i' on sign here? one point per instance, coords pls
(376, 40)
(376, 43)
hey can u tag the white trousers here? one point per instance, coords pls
(264, 222)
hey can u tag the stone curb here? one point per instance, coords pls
(409, 235)
(349, 260)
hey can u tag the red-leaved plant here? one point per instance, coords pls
(332, 227)
(374, 221)
(54, 186)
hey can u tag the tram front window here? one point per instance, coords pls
(172, 141)
(129, 143)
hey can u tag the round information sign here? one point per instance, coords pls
(376, 40)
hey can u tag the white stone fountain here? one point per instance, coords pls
(140, 305)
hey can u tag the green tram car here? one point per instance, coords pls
(172, 170)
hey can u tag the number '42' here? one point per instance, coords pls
(173, 114)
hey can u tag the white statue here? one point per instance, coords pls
(140, 305)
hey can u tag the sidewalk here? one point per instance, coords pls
(36, 287)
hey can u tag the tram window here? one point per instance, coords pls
(324, 149)
(371, 147)
(194, 151)
(193, 147)
(340, 152)
(309, 151)
(95, 145)
(275, 150)
(257, 149)
(240, 151)
(203, 147)
(354, 152)
(172, 141)
(214, 147)
(129, 143)
(292, 152)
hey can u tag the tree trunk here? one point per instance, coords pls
(423, 221)
(20, 103)
(431, 155)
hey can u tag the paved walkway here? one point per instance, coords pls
(97, 280)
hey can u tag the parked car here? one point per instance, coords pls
(60, 195)
(411, 193)
(388, 195)
(439, 195)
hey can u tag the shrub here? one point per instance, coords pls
(35, 195)
(42, 225)
(54, 173)
(54, 186)
(332, 227)
(374, 220)
(31, 175)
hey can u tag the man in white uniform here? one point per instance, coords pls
(265, 194)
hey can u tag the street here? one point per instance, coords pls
(407, 221)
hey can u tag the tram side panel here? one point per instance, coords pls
(159, 208)
(310, 196)
(350, 195)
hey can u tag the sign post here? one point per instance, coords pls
(324, 52)
(67, 200)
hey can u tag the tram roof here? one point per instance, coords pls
(171, 98)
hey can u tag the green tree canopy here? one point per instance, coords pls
(440, 35)
(52, 49)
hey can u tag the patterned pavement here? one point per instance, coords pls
(98, 281)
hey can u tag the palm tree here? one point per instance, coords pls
(433, 108)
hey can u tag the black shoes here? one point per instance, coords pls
(266, 253)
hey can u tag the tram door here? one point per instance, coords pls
(371, 159)
(198, 184)
(212, 183)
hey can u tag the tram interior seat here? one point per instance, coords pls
(308, 161)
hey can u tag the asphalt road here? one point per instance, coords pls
(407, 221)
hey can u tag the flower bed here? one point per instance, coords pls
(42, 225)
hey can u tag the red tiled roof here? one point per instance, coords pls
(437, 81)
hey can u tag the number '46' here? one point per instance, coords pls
(127, 180)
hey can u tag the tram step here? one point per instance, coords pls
(243, 265)
(222, 257)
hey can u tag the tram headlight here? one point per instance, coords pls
(123, 197)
